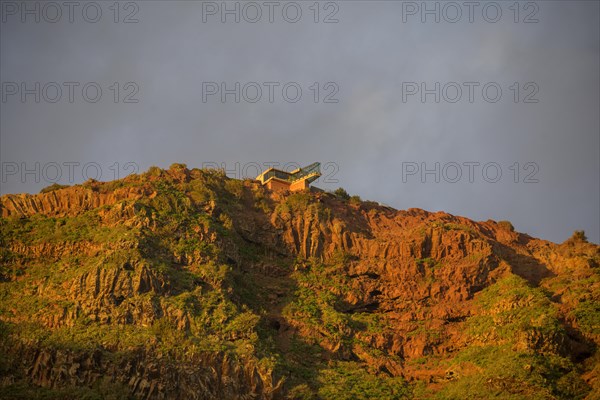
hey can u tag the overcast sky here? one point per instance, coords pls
(377, 135)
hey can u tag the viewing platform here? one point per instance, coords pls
(299, 179)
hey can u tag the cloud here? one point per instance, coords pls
(369, 133)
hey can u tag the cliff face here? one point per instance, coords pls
(184, 284)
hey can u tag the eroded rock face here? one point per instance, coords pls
(65, 202)
(181, 236)
(212, 376)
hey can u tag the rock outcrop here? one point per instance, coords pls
(184, 284)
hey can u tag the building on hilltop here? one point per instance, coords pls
(299, 179)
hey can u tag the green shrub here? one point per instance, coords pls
(177, 166)
(506, 225)
(427, 262)
(154, 171)
(511, 306)
(342, 194)
(458, 227)
(502, 373)
(356, 200)
(53, 187)
(296, 202)
(588, 317)
(350, 381)
(243, 324)
(235, 187)
(579, 236)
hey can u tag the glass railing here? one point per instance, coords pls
(313, 170)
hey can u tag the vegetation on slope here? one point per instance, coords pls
(202, 264)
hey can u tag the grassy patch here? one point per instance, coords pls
(351, 381)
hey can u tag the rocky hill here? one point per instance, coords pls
(184, 284)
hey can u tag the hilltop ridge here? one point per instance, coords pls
(182, 283)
